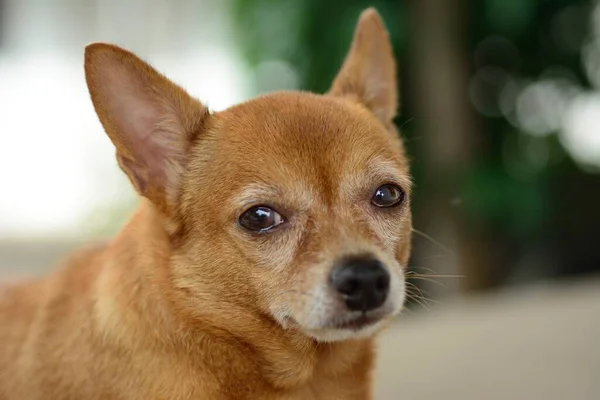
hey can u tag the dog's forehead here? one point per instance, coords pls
(296, 145)
(306, 131)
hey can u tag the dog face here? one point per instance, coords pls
(292, 205)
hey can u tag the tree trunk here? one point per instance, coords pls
(447, 131)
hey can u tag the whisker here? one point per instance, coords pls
(423, 293)
(432, 272)
(417, 275)
(410, 296)
(422, 301)
(418, 296)
(420, 278)
(406, 122)
(423, 268)
(426, 236)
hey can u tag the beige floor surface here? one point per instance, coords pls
(540, 342)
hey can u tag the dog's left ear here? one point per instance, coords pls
(369, 71)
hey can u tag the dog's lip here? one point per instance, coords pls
(360, 322)
(355, 322)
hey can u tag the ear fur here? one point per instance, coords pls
(150, 120)
(368, 74)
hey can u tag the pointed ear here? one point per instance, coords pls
(368, 75)
(150, 120)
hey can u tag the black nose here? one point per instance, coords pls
(362, 281)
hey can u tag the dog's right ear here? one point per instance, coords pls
(150, 120)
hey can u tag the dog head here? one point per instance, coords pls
(293, 205)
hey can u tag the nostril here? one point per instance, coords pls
(383, 283)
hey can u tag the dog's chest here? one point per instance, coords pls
(351, 384)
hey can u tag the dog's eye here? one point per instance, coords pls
(387, 196)
(260, 219)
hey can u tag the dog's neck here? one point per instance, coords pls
(146, 299)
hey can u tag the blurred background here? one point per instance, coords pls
(500, 111)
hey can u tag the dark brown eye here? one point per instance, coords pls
(260, 219)
(387, 196)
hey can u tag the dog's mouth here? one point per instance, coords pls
(357, 323)
(353, 325)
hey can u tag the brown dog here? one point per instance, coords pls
(269, 248)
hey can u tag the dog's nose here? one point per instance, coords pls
(363, 282)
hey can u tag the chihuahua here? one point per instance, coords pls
(268, 250)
